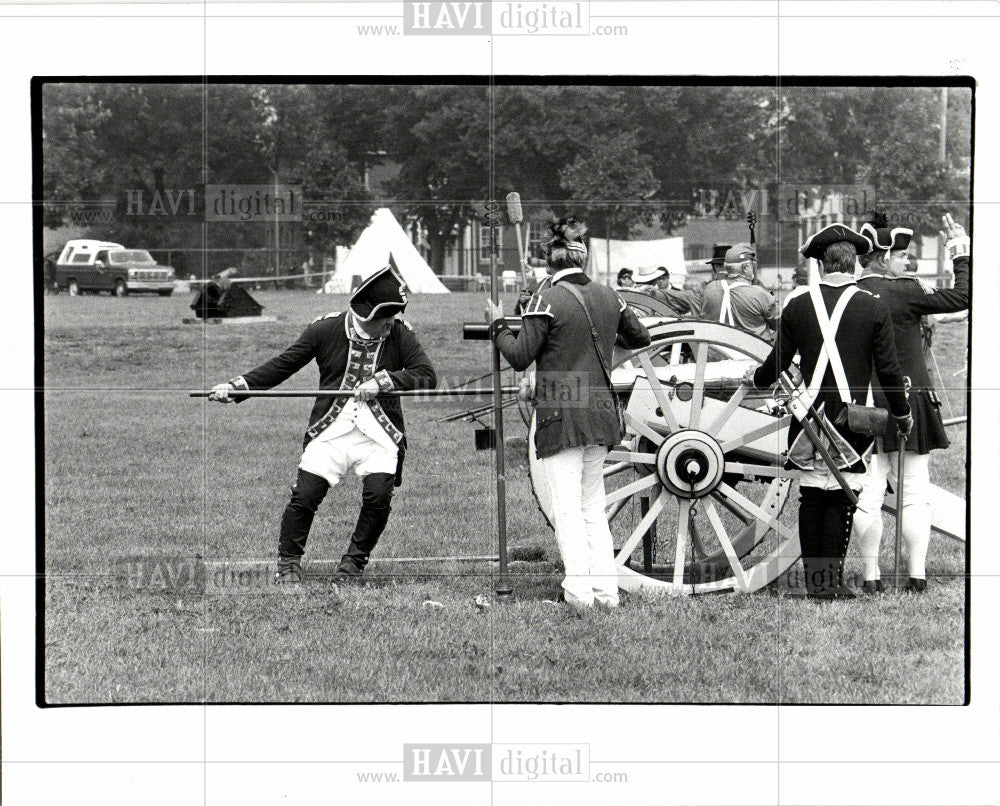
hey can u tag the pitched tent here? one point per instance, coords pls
(384, 237)
(640, 256)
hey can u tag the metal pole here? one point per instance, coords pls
(943, 134)
(503, 587)
(418, 393)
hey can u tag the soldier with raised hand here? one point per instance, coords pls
(569, 331)
(885, 276)
(369, 350)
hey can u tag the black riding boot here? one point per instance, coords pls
(811, 540)
(307, 494)
(376, 495)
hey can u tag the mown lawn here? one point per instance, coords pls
(137, 469)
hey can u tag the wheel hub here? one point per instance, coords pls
(690, 463)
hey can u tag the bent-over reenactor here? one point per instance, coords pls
(369, 350)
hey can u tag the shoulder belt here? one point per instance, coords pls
(829, 356)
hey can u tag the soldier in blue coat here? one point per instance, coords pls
(838, 370)
(369, 350)
(569, 332)
(885, 276)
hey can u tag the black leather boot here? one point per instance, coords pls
(376, 494)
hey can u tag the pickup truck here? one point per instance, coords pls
(85, 265)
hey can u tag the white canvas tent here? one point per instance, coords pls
(640, 256)
(383, 237)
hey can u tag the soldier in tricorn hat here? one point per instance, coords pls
(369, 350)
(842, 334)
(885, 275)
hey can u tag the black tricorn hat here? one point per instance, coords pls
(817, 244)
(883, 237)
(381, 295)
(718, 254)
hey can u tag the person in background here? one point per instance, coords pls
(625, 280)
(656, 284)
(838, 370)
(569, 330)
(909, 301)
(718, 260)
(733, 299)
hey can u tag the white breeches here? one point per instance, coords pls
(575, 479)
(333, 458)
(916, 511)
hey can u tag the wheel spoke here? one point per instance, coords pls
(683, 516)
(641, 428)
(658, 391)
(751, 508)
(629, 489)
(616, 468)
(752, 436)
(633, 457)
(642, 527)
(613, 512)
(770, 471)
(731, 405)
(727, 545)
(699, 385)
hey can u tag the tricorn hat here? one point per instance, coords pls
(883, 237)
(381, 295)
(817, 244)
(718, 254)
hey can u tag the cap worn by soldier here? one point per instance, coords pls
(739, 254)
(380, 296)
(834, 233)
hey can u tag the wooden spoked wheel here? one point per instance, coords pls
(697, 491)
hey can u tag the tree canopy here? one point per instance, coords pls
(623, 157)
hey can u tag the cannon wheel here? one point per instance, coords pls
(700, 465)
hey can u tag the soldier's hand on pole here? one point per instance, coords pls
(220, 393)
(526, 391)
(748, 377)
(904, 424)
(368, 390)
(493, 312)
(957, 243)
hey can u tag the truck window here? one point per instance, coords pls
(81, 257)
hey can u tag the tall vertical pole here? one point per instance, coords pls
(277, 235)
(943, 134)
(503, 587)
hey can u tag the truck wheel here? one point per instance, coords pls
(166, 293)
(74, 288)
(120, 289)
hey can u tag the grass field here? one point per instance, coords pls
(142, 482)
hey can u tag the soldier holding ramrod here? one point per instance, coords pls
(368, 350)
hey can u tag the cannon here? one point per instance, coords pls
(697, 492)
